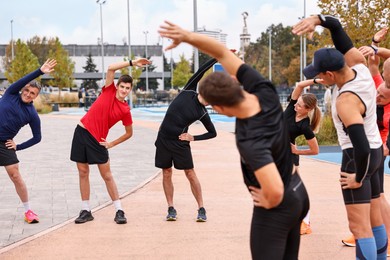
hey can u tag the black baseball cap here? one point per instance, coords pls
(325, 59)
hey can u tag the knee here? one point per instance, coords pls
(107, 177)
(167, 173)
(190, 174)
(83, 174)
(15, 176)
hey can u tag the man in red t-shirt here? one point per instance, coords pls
(89, 145)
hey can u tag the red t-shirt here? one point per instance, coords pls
(105, 112)
(386, 113)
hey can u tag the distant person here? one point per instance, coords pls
(303, 117)
(279, 196)
(16, 111)
(173, 140)
(89, 145)
(328, 100)
(81, 97)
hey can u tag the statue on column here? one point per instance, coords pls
(245, 15)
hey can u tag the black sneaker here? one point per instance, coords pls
(120, 217)
(84, 216)
(201, 215)
(171, 214)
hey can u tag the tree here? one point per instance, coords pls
(40, 47)
(360, 18)
(63, 73)
(24, 62)
(182, 73)
(90, 67)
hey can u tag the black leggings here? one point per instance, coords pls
(275, 232)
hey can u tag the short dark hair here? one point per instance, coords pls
(125, 79)
(220, 89)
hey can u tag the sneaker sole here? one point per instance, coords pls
(201, 220)
(171, 219)
(348, 244)
(82, 222)
(34, 221)
(121, 222)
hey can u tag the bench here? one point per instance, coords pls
(55, 106)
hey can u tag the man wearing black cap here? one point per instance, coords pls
(354, 115)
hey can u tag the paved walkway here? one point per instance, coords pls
(53, 184)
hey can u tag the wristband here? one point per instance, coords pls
(373, 40)
(374, 48)
(131, 63)
(314, 81)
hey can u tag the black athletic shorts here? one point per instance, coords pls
(170, 150)
(85, 148)
(370, 188)
(7, 156)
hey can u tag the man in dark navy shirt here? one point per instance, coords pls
(16, 111)
(173, 140)
(279, 196)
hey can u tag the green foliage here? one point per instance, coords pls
(24, 62)
(182, 73)
(90, 66)
(63, 73)
(360, 18)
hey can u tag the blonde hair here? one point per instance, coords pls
(310, 101)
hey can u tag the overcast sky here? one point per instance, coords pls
(78, 21)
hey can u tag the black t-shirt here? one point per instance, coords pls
(184, 110)
(262, 138)
(296, 129)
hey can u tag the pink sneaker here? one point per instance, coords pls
(30, 217)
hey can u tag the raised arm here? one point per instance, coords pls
(193, 81)
(46, 68)
(340, 38)
(123, 64)
(228, 59)
(299, 86)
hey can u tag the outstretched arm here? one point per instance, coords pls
(123, 64)
(46, 68)
(229, 60)
(193, 81)
(340, 38)
(299, 86)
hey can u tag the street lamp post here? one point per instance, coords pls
(146, 54)
(162, 56)
(196, 51)
(270, 54)
(101, 2)
(128, 35)
(12, 40)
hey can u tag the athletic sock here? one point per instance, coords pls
(26, 206)
(366, 248)
(307, 218)
(118, 205)
(381, 241)
(85, 205)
